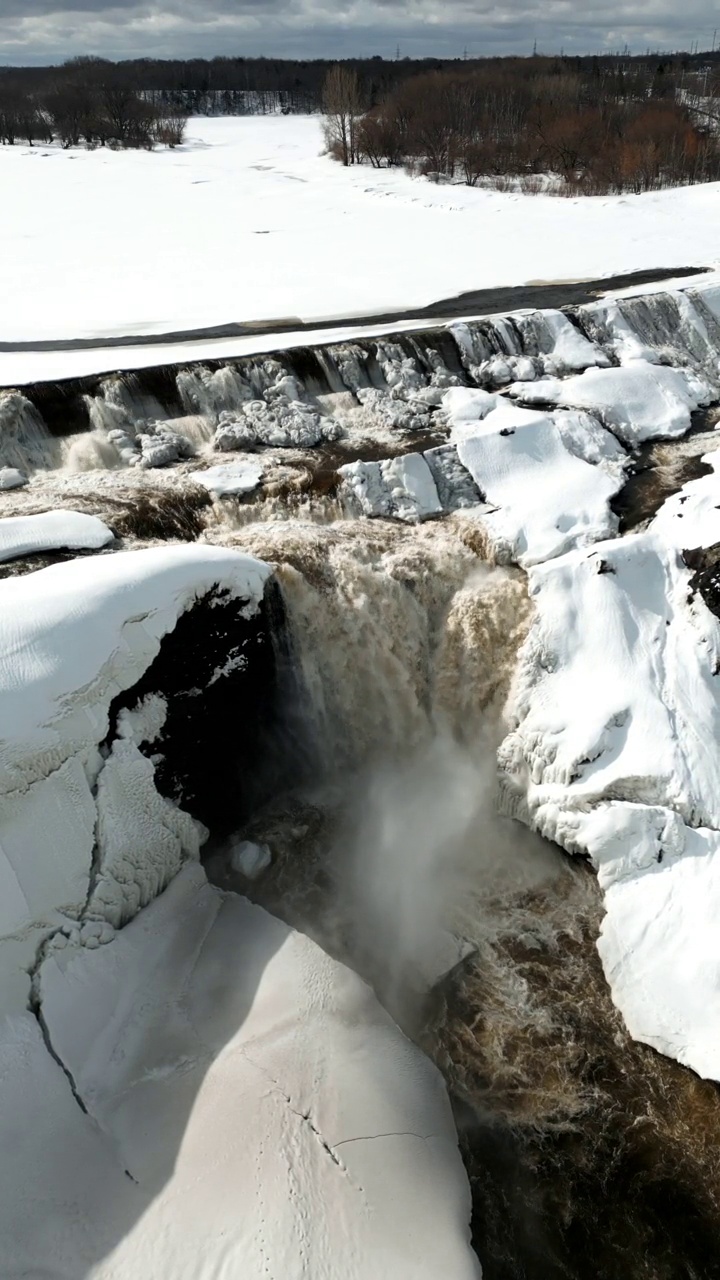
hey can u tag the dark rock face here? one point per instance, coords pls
(226, 746)
(705, 561)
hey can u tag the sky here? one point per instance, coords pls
(39, 31)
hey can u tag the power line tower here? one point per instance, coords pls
(397, 54)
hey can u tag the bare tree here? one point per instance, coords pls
(342, 104)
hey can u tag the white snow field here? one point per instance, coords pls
(203, 1092)
(248, 221)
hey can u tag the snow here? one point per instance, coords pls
(639, 402)
(51, 531)
(188, 1084)
(550, 477)
(248, 221)
(233, 478)
(72, 637)
(249, 1104)
(402, 488)
(94, 625)
(615, 712)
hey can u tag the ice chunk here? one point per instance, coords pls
(250, 860)
(402, 487)
(11, 478)
(232, 478)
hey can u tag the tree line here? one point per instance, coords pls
(85, 102)
(596, 123)
(536, 124)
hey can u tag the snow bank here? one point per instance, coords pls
(612, 753)
(638, 402)
(246, 1098)
(72, 638)
(550, 477)
(51, 531)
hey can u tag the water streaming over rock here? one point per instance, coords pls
(305, 397)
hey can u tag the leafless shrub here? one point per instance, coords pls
(169, 130)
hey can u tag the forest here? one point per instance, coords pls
(573, 125)
(536, 125)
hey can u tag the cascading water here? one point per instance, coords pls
(399, 632)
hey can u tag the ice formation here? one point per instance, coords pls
(644, 365)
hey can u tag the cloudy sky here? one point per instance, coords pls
(35, 31)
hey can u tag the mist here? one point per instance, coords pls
(424, 861)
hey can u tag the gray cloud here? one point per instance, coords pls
(49, 30)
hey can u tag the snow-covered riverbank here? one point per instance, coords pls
(249, 222)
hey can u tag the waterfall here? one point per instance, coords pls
(399, 633)
(382, 389)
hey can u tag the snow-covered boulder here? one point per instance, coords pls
(80, 815)
(549, 480)
(51, 531)
(638, 402)
(250, 860)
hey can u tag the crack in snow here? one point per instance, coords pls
(35, 1008)
(372, 1137)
